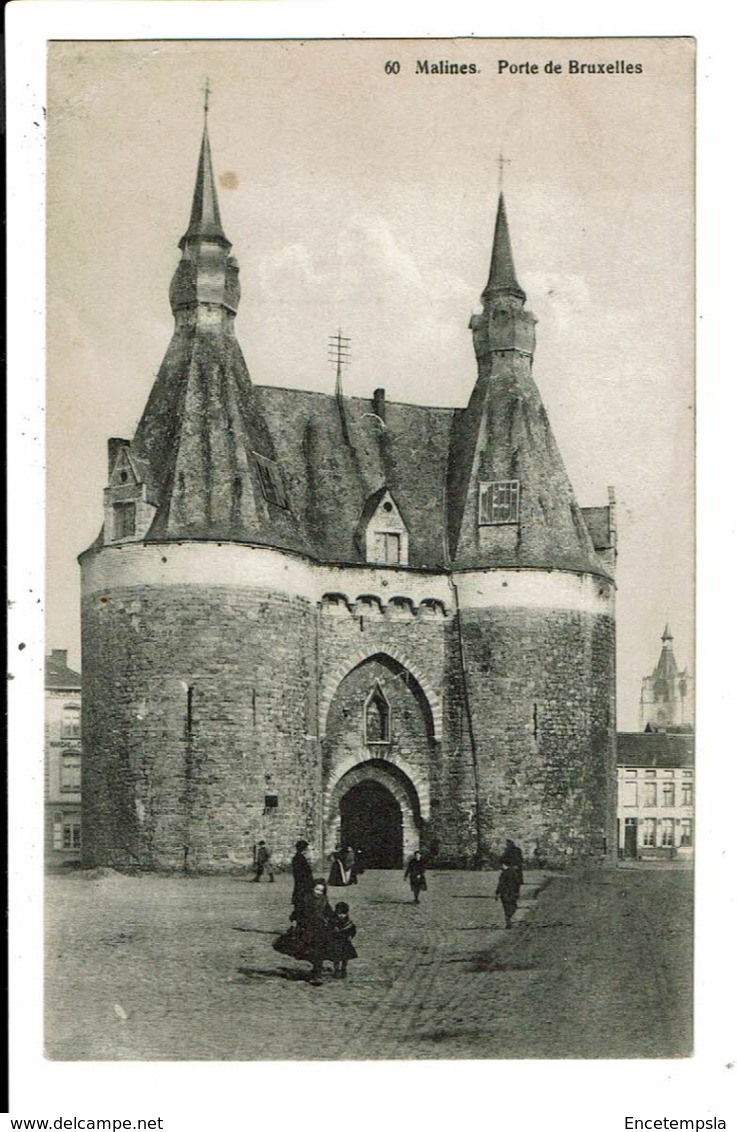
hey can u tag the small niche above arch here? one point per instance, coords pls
(376, 718)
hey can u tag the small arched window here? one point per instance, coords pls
(377, 718)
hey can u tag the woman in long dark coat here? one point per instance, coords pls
(507, 890)
(512, 856)
(336, 876)
(317, 930)
(303, 882)
(415, 872)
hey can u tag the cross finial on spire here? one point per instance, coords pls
(501, 162)
(206, 89)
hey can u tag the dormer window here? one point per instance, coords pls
(130, 502)
(498, 503)
(377, 718)
(271, 482)
(383, 531)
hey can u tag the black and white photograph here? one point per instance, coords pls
(366, 440)
(369, 662)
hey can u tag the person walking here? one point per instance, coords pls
(303, 882)
(317, 930)
(415, 871)
(507, 890)
(512, 856)
(336, 876)
(263, 856)
(349, 865)
(343, 932)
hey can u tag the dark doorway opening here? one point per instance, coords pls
(630, 837)
(371, 820)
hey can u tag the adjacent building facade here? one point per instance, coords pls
(655, 811)
(63, 762)
(341, 618)
(655, 766)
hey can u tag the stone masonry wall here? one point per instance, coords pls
(198, 702)
(541, 689)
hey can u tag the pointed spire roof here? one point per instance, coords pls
(666, 668)
(502, 277)
(204, 221)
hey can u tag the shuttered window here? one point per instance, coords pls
(498, 502)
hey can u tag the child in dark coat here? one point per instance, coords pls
(343, 932)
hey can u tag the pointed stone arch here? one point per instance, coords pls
(331, 683)
(410, 787)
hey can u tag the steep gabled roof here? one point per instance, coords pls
(657, 749)
(58, 676)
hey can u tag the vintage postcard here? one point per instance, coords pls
(369, 666)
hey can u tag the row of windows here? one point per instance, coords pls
(669, 836)
(647, 793)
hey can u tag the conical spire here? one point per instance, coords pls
(502, 277)
(666, 667)
(206, 278)
(204, 221)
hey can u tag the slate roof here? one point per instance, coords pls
(210, 443)
(502, 276)
(329, 479)
(660, 749)
(58, 676)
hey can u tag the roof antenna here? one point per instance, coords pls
(339, 349)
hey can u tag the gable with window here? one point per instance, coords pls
(129, 496)
(384, 532)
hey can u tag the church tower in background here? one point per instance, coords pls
(667, 699)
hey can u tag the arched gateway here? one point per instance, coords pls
(375, 807)
(377, 754)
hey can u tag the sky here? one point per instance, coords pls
(365, 201)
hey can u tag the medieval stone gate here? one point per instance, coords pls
(376, 762)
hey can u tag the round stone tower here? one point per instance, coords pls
(198, 623)
(534, 603)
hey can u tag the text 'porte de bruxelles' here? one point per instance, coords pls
(525, 67)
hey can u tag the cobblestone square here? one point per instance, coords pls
(597, 965)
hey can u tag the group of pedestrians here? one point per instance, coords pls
(321, 934)
(318, 932)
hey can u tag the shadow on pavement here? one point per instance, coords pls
(275, 973)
